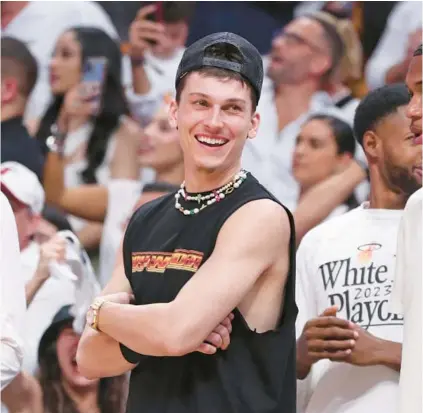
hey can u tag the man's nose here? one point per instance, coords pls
(214, 118)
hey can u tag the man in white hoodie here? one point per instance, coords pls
(50, 270)
(12, 296)
(407, 291)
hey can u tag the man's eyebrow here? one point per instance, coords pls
(235, 100)
(199, 94)
(230, 100)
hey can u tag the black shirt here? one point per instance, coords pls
(18, 146)
(162, 250)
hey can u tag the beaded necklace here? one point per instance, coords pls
(205, 200)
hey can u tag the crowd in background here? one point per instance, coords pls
(71, 208)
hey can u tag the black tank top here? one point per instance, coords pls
(162, 250)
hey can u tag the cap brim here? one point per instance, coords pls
(51, 334)
(11, 195)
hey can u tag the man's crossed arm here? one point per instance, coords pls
(244, 250)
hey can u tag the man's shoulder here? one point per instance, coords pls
(264, 217)
(414, 203)
(26, 151)
(413, 210)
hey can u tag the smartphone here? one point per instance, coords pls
(156, 17)
(93, 76)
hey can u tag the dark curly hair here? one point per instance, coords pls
(95, 43)
(376, 106)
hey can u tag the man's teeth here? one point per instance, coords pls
(211, 141)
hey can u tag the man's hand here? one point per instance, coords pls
(366, 349)
(324, 337)
(144, 33)
(218, 338)
(52, 250)
(119, 298)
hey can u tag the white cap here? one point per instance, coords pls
(21, 183)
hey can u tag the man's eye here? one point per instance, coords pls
(234, 108)
(201, 103)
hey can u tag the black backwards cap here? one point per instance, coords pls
(251, 66)
(63, 317)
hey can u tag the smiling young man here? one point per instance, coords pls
(221, 244)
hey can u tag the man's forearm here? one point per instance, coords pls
(140, 81)
(303, 363)
(99, 355)
(33, 285)
(388, 354)
(320, 200)
(145, 329)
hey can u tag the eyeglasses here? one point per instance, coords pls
(294, 39)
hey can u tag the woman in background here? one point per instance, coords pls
(156, 148)
(58, 387)
(90, 136)
(324, 147)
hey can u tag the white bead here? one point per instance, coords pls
(196, 211)
(177, 205)
(210, 201)
(186, 212)
(236, 185)
(221, 196)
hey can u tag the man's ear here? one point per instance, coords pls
(9, 89)
(320, 65)
(173, 114)
(255, 123)
(371, 144)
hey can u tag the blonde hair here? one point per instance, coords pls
(351, 64)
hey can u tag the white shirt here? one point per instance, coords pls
(39, 25)
(161, 73)
(122, 197)
(12, 293)
(405, 18)
(56, 292)
(407, 300)
(349, 261)
(75, 147)
(349, 108)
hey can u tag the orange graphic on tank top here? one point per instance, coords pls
(184, 260)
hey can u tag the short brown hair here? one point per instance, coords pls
(18, 62)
